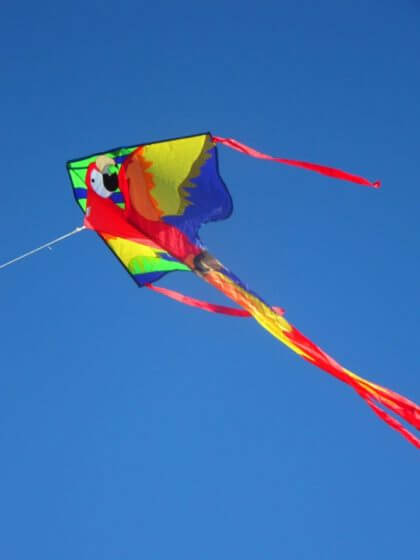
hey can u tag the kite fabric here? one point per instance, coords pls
(148, 202)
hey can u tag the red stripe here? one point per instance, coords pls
(390, 420)
(204, 305)
(324, 170)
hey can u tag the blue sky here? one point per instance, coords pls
(133, 427)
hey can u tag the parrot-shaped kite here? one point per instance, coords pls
(148, 202)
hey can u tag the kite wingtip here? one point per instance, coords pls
(377, 184)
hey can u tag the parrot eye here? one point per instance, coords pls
(97, 184)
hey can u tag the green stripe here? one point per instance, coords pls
(141, 265)
(84, 163)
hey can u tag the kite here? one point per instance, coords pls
(148, 202)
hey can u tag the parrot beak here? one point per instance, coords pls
(110, 181)
(103, 163)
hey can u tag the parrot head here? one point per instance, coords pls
(99, 179)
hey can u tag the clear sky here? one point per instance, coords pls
(133, 427)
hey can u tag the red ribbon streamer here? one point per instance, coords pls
(324, 170)
(204, 305)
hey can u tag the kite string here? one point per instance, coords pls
(41, 247)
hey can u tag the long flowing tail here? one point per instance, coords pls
(379, 399)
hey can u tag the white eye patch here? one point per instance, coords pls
(97, 184)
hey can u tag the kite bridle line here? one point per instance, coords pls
(171, 294)
(41, 247)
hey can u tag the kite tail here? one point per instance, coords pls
(322, 169)
(379, 399)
